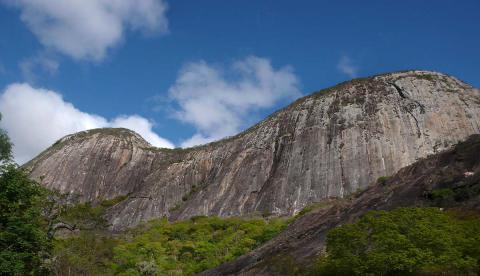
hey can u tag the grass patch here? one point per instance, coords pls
(314, 206)
(427, 77)
(114, 201)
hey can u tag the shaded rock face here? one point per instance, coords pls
(328, 144)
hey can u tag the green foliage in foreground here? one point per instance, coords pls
(23, 239)
(24, 243)
(5, 146)
(163, 248)
(403, 241)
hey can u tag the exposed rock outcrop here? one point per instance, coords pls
(457, 170)
(328, 144)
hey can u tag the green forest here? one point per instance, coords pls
(162, 248)
(404, 241)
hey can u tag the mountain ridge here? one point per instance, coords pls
(322, 92)
(329, 143)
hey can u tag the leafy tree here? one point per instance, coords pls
(5, 147)
(23, 240)
(87, 248)
(24, 244)
(86, 253)
(403, 241)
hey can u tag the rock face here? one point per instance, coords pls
(304, 240)
(97, 164)
(328, 144)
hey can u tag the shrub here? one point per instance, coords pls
(382, 180)
(442, 194)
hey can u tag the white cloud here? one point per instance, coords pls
(143, 127)
(218, 102)
(86, 29)
(36, 118)
(29, 66)
(346, 66)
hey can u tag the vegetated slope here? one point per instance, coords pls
(328, 144)
(157, 247)
(449, 180)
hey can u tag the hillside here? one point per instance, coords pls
(449, 180)
(328, 144)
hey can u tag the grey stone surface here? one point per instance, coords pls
(328, 144)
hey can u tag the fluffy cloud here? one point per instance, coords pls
(346, 66)
(218, 102)
(35, 118)
(143, 127)
(86, 29)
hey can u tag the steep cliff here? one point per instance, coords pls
(456, 170)
(328, 144)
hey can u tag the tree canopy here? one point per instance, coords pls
(23, 239)
(404, 241)
(163, 248)
(5, 146)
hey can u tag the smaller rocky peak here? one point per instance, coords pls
(104, 133)
(95, 164)
(98, 138)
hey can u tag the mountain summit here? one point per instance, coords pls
(328, 144)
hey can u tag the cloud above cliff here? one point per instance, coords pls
(347, 67)
(35, 118)
(86, 29)
(218, 101)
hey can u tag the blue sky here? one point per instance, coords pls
(201, 70)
